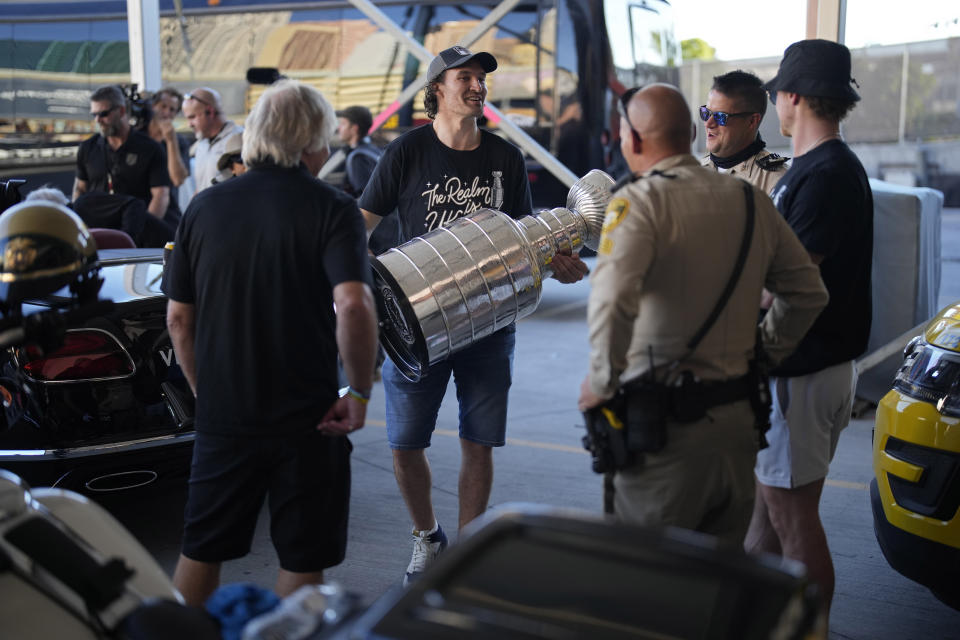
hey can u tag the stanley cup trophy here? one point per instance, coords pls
(441, 292)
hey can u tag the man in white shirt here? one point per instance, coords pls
(215, 134)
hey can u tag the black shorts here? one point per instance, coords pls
(306, 478)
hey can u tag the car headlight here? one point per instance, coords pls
(932, 375)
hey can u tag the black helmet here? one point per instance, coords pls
(45, 246)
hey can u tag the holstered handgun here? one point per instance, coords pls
(606, 437)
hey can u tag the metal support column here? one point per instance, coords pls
(143, 24)
(826, 19)
(517, 135)
(904, 87)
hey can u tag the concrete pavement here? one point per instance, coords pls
(543, 462)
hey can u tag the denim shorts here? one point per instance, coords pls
(482, 374)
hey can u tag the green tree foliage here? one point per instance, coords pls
(697, 49)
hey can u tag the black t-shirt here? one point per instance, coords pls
(431, 185)
(136, 166)
(259, 255)
(826, 199)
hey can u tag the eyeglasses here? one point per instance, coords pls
(773, 97)
(190, 96)
(625, 98)
(721, 116)
(96, 115)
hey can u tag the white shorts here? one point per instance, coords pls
(806, 419)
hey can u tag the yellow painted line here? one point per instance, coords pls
(546, 445)
(549, 446)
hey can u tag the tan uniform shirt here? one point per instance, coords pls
(667, 250)
(757, 169)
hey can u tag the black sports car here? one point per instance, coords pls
(109, 409)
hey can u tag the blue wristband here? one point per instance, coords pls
(358, 395)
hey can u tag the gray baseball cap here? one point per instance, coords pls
(457, 56)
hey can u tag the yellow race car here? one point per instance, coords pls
(916, 461)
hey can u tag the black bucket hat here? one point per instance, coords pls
(455, 57)
(815, 68)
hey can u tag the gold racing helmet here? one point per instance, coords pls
(44, 247)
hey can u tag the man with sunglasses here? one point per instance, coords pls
(826, 199)
(671, 238)
(121, 160)
(731, 120)
(215, 135)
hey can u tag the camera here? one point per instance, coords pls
(137, 107)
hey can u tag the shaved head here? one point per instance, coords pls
(661, 115)
(207, 96)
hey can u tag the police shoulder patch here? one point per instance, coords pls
(771, 162)
(616, 211)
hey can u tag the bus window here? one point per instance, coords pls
(642, 40)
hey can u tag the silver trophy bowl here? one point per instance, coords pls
(441, 292)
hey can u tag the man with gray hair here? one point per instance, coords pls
(204, 113)
(257, 267)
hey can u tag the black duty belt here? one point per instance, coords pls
(717, 393)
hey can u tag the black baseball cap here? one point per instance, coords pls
(815, 68)
(458, 56)
(358, 115)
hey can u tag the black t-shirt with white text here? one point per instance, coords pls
(431, 185)
(826, 199)
(258, 256)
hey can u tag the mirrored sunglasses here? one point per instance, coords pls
(720, 116)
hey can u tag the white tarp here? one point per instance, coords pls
(906, 271)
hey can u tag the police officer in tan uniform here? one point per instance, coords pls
(670, 240)
(735, 107)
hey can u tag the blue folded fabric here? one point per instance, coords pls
(234, 605)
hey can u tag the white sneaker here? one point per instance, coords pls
(426, 547)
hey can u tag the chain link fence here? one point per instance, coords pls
(906, 128)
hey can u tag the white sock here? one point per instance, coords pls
(436, 525)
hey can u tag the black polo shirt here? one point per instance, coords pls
(259, 255)
(134, 168)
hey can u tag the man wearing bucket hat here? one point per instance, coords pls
(432, 176)
(826, 199)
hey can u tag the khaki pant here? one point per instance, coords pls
(701, 480)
